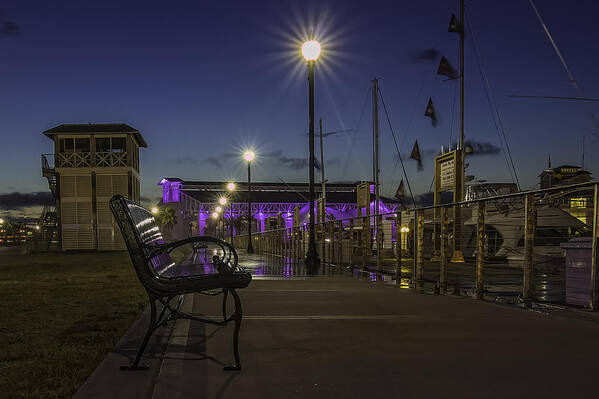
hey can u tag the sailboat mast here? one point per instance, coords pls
(462, 75)
(375, 127)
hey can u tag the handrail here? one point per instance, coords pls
(474, 201)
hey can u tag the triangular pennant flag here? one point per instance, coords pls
(416, 155)
(400, 194)
(430, 112)
(316, 163)
(454, 25)
(446, 69)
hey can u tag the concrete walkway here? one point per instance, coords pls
(343, 337)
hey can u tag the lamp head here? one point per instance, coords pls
(311, 50)
(214, 215)
(218, 209)
(222, 201)
(231, 186)
(154, 210)
(248, 156)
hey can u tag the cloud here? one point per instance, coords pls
(275, 156)
(18, 201)
(480, 148)
(8, 27)
(428, 54)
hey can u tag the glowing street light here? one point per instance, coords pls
(249, 157)
(218, 209)
(222, 201)
(154, 210)
(231, 186)
(311, 51)
(215, 215)
(1, 221)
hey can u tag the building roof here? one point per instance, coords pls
(96, 128)
(276, 197)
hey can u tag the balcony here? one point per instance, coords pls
(111, 159)
(73, 160)
(83, 160)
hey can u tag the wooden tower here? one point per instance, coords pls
(90, 164)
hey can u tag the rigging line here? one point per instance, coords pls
(493, 108)
(554, 97)
(563, 61)
(397, 148)
(355, 131)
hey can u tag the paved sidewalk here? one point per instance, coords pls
(342, 337)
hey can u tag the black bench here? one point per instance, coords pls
(157, 272)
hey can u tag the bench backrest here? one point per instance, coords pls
(140, 232)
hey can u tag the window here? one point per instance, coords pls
(72, 144)
(111, 144)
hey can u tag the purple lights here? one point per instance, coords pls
(171, 190)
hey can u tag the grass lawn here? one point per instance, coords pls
(60, 314)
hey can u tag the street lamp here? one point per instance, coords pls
(231, 187)
(311, 51)
(154, 210)
(249, 157)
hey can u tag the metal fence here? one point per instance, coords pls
(523, 247)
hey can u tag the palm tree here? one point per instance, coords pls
(166, 219)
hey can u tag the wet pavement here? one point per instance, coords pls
(336, 336)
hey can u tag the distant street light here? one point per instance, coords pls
(215, 215)
(154, 210)
(218, 209)
(249, 157)
(231, 187)
(222, 201)
(311, 51)
(1, 221)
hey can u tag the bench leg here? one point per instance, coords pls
(237, 316)
(151, 328)
(225, 293)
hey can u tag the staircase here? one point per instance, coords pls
(48, 220)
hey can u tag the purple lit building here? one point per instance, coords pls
(273, 205)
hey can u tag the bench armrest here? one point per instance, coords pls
(225, 259)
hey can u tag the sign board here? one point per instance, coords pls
(447, 170)
(446, 174)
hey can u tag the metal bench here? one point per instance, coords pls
(157, 272)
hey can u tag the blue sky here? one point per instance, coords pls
(203, 79)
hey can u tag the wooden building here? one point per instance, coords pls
(90, 164)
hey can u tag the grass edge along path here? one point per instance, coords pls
(59, 317)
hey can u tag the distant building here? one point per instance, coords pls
(273, 205)
(90, 164)
(576, 203)
(563, 176)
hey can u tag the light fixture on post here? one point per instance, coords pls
(231, 187)
(311, 52)
(249, 157)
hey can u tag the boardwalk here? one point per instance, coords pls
(337, 336)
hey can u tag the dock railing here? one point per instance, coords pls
(526, 247)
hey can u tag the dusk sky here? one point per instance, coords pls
(202, 80)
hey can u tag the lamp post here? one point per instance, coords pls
(231, 187)
(223, 201)
(215, 217)
(311, 51)
(249, 156)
